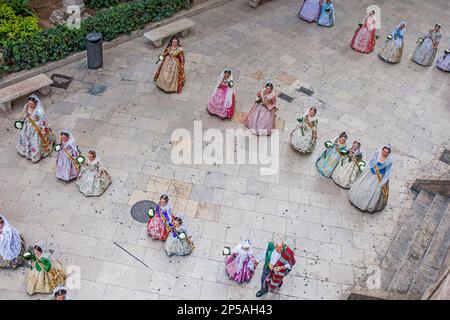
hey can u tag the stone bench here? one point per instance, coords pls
(156, 36)
(40, 82)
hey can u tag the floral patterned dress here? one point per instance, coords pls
(170, 75)
(261, 118)
(330, 158)
(67, 167)
(364, 38)
(36, 138)
(304, 136)
(217, 103)
(158, 226)
(93, 179)
(175, 245)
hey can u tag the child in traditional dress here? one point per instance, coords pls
(241, 264)
(43, 276)
(159, 225)
(304, 136)
(334, 152)
(223, 100)
(67, 167)
(93, 179)
(12, 245)
(179, 241)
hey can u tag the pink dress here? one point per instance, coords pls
(261, 119)
(364, 38)
(66, 166)
(217, 103)
(240, 265)
(157, 227)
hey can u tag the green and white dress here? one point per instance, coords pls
(348, 170)
(93, 179)
(304, 136)
(330, 158)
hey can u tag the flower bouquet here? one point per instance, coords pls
(258, 101)
(389, 36)
(360, 24)
(57, 147)
(27, 255)
(226, 251)
(81, 159)
(300, 119)
(231, 84)
(160, 58)
(420, 40)
(361, 165)
(182, 236)
(447, 51)
(18, 124)
(151, 213)
(328, 144)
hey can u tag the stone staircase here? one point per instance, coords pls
(416, 255)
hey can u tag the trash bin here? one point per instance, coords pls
(94, 50)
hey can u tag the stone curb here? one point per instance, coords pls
(24, 74)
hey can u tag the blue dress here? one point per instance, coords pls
(330, 158)
(326, 18)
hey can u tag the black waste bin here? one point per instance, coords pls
(94, 50)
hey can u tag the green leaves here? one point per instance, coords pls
(33, 47)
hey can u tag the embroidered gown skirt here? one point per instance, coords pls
(93, 181)
(168, 76)
(363, 40)
(328, 161)
(424, 53)
(303, 141)
(244, 274)
(443, 62)
(65, 168)
(366, 194)
(216, 105)
(156, 228)
(392, 50)
(176, 246)
(345, 173)
(260, 120)
(16, 262)
(310, 10)
(29, 143)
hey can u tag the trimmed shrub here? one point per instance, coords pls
(13, 27)
(53, 44)
(100, 4)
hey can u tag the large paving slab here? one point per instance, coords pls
(131, 122)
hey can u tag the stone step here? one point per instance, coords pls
(404, 238)
(413, 258)
(434, 258)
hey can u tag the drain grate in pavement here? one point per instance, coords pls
(60, 81)
(140, 209)
(305, 91)
(445, 157)
(285, 97)
(96, 89)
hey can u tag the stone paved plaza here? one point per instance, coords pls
(131, 122)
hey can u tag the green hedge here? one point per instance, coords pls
(100, 4)
(14, 27)
(54, 44)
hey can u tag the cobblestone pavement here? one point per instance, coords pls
(131, 122)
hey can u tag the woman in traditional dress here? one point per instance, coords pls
(67, 167)
(304, 136)
(348, 169)
(261, 118)
(364, 38)
(159, 225)
(12, 245)
(241, 264)
(371, 190)
(36, 138)
(392, 49)
(427, 48)
(44, 275)
(310, 10)
(443, 62)
(179, 242)
(170, 74)
(326, 18)
(334, 152)
(223, 100)
(93, 179)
